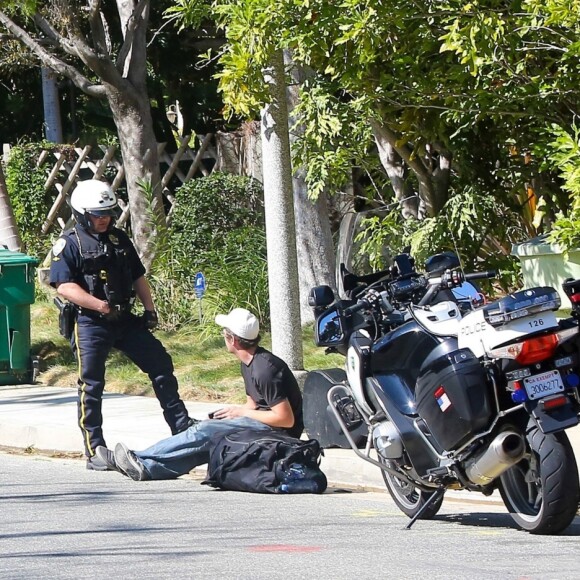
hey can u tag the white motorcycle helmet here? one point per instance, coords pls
(93, 197)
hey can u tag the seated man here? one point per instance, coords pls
(274, 401)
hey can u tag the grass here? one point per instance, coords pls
(204, 369)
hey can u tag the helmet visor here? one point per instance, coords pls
(98, 212)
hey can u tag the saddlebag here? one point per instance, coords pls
(319, 420)
(453, 398)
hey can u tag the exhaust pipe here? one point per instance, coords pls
(505, 450)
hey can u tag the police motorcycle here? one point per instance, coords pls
(440, 393)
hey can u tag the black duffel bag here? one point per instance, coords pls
(265, 462)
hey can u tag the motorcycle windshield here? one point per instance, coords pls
(348, 252)
(468, 295)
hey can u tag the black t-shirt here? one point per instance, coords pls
(269, 381)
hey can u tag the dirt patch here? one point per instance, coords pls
(41, 452)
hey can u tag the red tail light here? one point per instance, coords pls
(554, 402)
(538, 349)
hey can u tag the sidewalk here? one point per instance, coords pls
(45, 418)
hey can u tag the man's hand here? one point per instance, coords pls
(150, 319)
(110, 313)
(113, 315)
(230, 412)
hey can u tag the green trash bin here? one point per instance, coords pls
(17, 274)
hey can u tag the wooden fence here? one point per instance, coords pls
(237, 152)
(195, 156)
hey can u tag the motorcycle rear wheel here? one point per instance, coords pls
(408, 498)
(541, 492)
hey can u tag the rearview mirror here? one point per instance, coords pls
(329, 330)
(320, 296)
(437, 264)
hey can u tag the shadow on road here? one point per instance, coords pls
(498, 520)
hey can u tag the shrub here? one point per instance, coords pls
(207, 208)
(565, 157)
(479, 228)
(217, 228)
(237, 276)
(30, 202)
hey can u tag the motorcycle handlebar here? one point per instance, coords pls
(364, 303)
(481, 275)
(360, 305)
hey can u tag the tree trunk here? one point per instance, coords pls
(432, 172)
(9, 235)
(52, 118)
(141, 162)
(397, 173)
(280, 224)
(314, 243)
(129, 102)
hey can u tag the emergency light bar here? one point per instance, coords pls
(521, 304)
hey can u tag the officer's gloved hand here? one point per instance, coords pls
(113, 315)
(150, 319)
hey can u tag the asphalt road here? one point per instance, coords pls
(60, 521)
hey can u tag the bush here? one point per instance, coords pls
(565, 157)
(217, 228)
(30, 203)
(207, 208)
(474, 226)
(237, 276)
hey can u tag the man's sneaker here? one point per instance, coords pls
(96, 463)
(129, 463)
(107, 457)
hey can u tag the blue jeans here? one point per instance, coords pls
(179, 454)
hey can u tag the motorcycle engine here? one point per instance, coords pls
(387, 441)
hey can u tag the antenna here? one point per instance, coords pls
(461, 267)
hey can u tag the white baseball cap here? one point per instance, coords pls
(241, 322)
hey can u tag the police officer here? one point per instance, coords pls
(96, 267)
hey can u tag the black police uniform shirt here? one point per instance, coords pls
(269, 381)
(67, 260)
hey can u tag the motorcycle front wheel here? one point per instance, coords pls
(408, 498)
(541, 492)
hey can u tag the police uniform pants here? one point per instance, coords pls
(92, 342)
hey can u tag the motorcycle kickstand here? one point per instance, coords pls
(435, 497)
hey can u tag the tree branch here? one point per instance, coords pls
(132, 25)
(50, 60)
(415, 163)
(405, 152)
(97, 28)
(100, 64)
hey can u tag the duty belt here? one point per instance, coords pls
(117, 311)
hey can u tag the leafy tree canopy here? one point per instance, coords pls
(492, 83)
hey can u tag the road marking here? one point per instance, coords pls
(374, 513)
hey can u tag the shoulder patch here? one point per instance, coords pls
(114, 239)
(58, 247)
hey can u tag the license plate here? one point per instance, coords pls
(540, 386)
